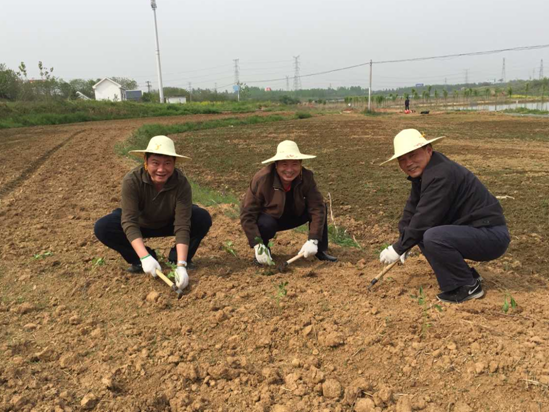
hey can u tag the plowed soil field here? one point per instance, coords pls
(76, 334)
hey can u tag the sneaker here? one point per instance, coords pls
(463, 293)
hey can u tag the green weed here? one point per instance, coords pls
(303, 115)
(42, 255)
(98, 261)
(341, 237)
(422, 302)
(508, 302)
(280, 292)
(228, 247)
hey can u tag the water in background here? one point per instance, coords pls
(499, 107)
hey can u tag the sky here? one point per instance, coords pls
(199, 40)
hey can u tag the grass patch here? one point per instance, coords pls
(303, 115)
(209, 197)
(338, 236)
(24, 114)
(524, 110)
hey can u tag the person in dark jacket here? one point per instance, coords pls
(407, 103)
(156, 202)
(282, 196)
(450, 215)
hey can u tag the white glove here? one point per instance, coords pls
(150, 265)
(388, 256)
(181, 277)
(309, 248)
(262, 254)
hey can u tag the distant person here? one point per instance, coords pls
(450, 215)
(283, 196)
(407, 104)
(156, 202)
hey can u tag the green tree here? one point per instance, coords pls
(9, 83)
(510, 91)
(527, 89)
(128, 84)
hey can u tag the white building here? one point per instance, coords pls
(177, 99)
(108, 89)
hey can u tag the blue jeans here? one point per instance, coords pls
(446, 247)
(109, 231)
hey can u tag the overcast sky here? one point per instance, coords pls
(200, 39)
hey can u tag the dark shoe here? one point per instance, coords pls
(476, 275)
(326, 257)
(463, 293)
(135, 268)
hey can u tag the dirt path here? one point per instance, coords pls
(75, 335)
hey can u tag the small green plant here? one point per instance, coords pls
(422, 302)
(228, 247)
(173, 267)
(42, 255)
(508, 302)
(98, 261)
(341, 237)
(281, 291)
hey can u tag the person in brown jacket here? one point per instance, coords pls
(283, 195)
(156, 202)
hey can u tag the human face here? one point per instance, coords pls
(414, 163)
(288, 170)
(160, 168)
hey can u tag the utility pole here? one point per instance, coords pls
(158, 66)
(215, 87)
(503, 75)
(541, 70)
(148, 86)
(297, 79)
(237, 78)
(370, 89)
(190, 92)
(287, 83)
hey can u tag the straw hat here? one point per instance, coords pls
(161, 145)
(288, 150)
(409, 140)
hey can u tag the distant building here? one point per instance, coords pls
(134, 95)
(176, 99)
(108, 89)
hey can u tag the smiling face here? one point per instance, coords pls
(414, 163)
(160, 168)
(288, 170)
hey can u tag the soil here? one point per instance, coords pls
(76, 334)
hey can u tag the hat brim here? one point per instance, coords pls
(140, 152)
(285, 157)
(397, 155)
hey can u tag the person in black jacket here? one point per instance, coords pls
(450, 215)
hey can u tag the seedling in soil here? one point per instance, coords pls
(228, 247)
(98, 261)
(42, 255)
(173, 267)
(509, 302)
(422, 302)
(280, 291)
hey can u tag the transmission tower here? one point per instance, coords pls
(149, 86)
(297, 78)
(215, 88)
(236, 72)
(503, 75)
(287, 83)
(541, 70)
(190, 92)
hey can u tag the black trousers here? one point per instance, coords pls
(269, 226)
(446, 247)
(109, 231)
